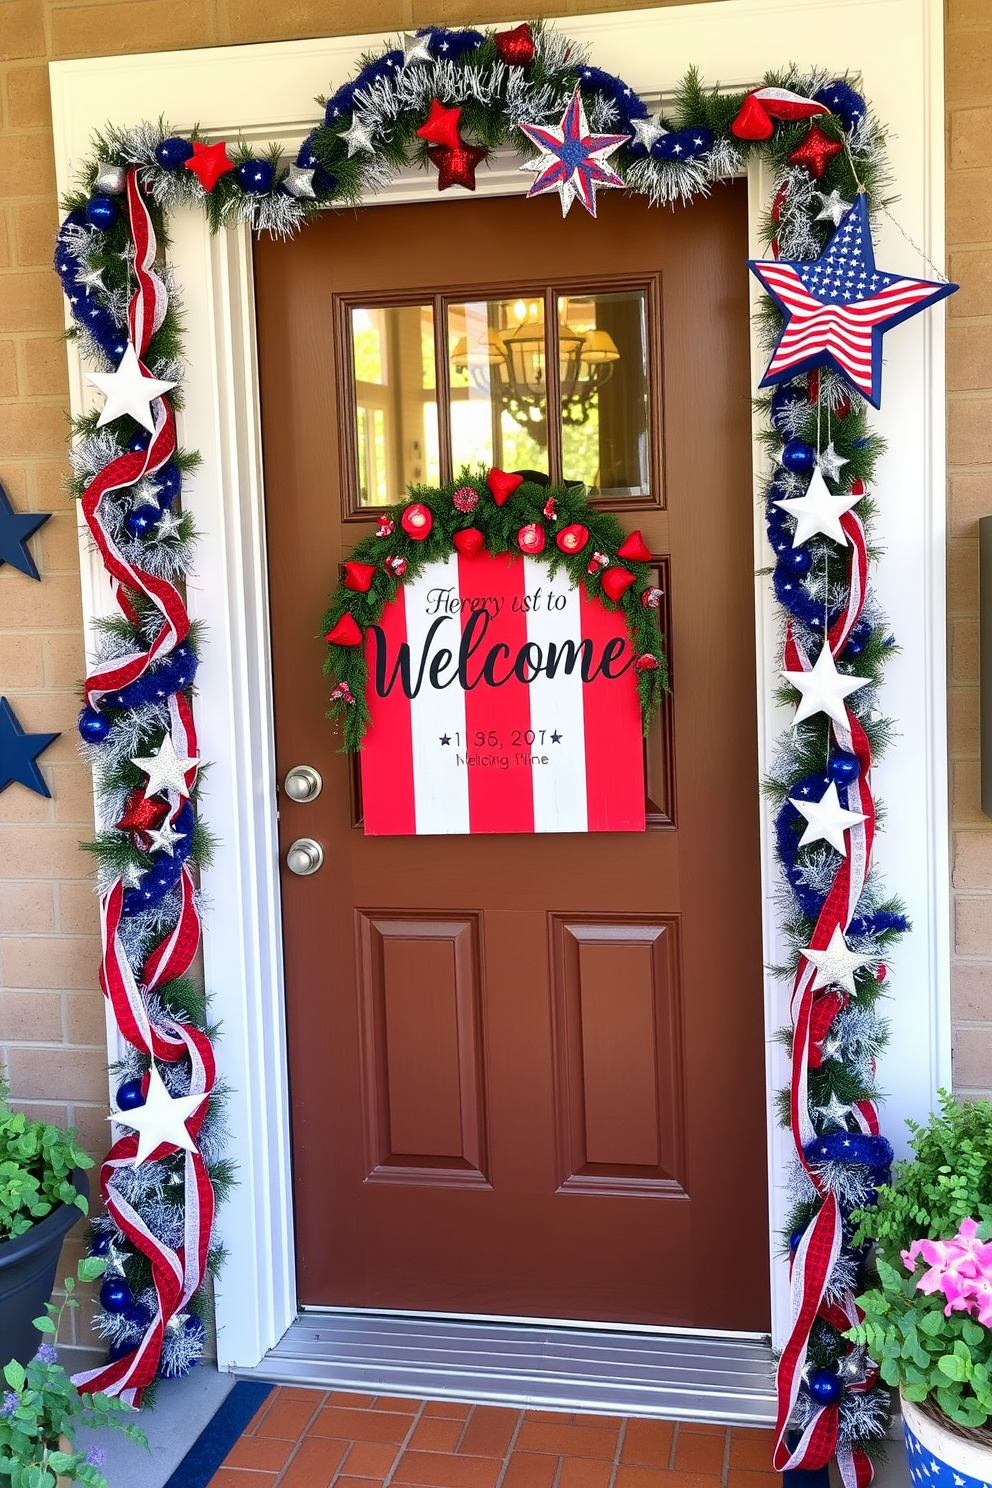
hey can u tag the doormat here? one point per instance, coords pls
(219, 1435)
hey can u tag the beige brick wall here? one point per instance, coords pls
(51, 1015)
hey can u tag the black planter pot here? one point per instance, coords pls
(27, 1276)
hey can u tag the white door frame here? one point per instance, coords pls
(264, 93)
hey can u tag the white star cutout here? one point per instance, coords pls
(833, 206)
(818, 511)
(834, 1111)
(415, 48)
(128, 390)
(165, 770)
(164, 838)
(359, 137)
(823, 689)
(299, 181)
(835, 967)
(830, 462)
(648, 131)
(827, 820)
(162, 1118)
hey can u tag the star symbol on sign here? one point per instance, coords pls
(445, 739)
(165, 770)
(129, 390)
(830, 462)
(556, 737)
(19, 751)
(834, 1111)
(359, 137)
(164, 838)
(818, 512)
(827, 820)
(15, 529)
(828, 324)
(834, 208)
(161, 1120)
(571, 160)
(648, 131)
(823, 689)
(836, 965)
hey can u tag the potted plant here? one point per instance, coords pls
(43, 1192)
(928, 1319)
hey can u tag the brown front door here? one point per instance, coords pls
(526, 1070)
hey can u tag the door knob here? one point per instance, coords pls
(303, 783)
(304, 857)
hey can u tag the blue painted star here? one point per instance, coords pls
(18, 752)
(15, 529)
(838, 306)
(571, 160)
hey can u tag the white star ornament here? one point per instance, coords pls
(834, 1111)
(834, 207)
(826, 819)
(648, 131)
(830, 462)
(164, 838)
(128, 390)
(835, 967)
(415, 48)
(572, 161)
(162, 1118)
(359, 137)
(818, 512)
(166, 770)
(823, 689)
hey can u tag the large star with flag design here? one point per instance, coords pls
(838, 306)
(572, 161)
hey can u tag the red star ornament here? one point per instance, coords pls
(456, 167)
(209, 162)
(516, 48)
(441, 126)
(142, 816)
(816, 151)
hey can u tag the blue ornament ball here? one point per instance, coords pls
(841, 99)
(173, 153)
(100, 1243)
(94, 727)
(795, 561)
(118, 1350)
(798, 458)
(100, 212)
(795, 1238)
(843, 769)
(256, 176)
(137, 1315)
(859, 638)
(129, 1095)
(115, 1295)
(141, 521)
(169, 481)
(116, 348)
(825, 1387)
(138, 443)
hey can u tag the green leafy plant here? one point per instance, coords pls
(36, 1166)
(945, 1360)
(42, 1408)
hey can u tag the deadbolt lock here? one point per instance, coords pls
(303, 783)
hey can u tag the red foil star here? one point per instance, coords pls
(456, 167)
(441, 126)
(516, 48)
(142, 816)
(209, 163)
(816, 151)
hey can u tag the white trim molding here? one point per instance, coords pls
(265, 93)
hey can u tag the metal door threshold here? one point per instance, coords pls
(680, 1375)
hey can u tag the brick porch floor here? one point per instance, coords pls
(314, 1438)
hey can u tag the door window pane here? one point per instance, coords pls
(499, 403)
(396, 431)
(603, 359)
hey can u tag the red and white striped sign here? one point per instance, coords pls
(500, 700)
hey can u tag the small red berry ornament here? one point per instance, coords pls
(396, 566)
(502, 486)
(416, 521)
(516, 48)
(469, 541)
(651, 598)
(616, 581)
(573, 538)
(531, 539)
(359, 576)
(441, 126)
(882, 972)
(344, 633)
(634, 547)
(816, 151)
(208, 163)
(465, 499)
(386, 527)
(647, 662)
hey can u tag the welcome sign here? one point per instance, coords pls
(500, 700)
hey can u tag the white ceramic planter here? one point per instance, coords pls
(939, 1458)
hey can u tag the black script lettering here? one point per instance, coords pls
(479, 621)
(569, 651)
(614, 648)
(402, 667)
(438, 662)
(524, 661)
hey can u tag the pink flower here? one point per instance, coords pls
(465, 499)
(959, 1268)
(342, 693)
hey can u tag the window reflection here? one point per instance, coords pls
(396, 428)
(604, 391)
(499, 407)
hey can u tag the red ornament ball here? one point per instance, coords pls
(502, 485)
(469, 541)
(634, 547)
(359, 576)
(344, 633)
(616, 581)
(573, 538)
(416, 521)
(531, 539)
(396, 566)
(441, 126)
(465, 499)
(816, 151)
(516, 48)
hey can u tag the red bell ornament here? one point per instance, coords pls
(531, 539)
(635, 548)
(344, 632)
(573, 538)
(516, 48)
(616, 581)
(441, 126)
(502, 485)
(416, 521)
(469, 541)
(359, 576)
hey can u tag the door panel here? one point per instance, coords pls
(527, 1078)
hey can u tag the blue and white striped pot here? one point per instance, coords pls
(939, 1458)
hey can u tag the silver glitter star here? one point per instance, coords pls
(110, 178)
(299, 181)
(177, 1322)
(132, 876)
(830, 462)
(92, 279)
(648, 131)
(415, 48)
(168, 523)
(834, 1111)
(830, 1048)
(164, 839)
(834, 207)
(359, 137)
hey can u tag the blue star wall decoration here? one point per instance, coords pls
(15, 529)
(838, 306)
(19, 751)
